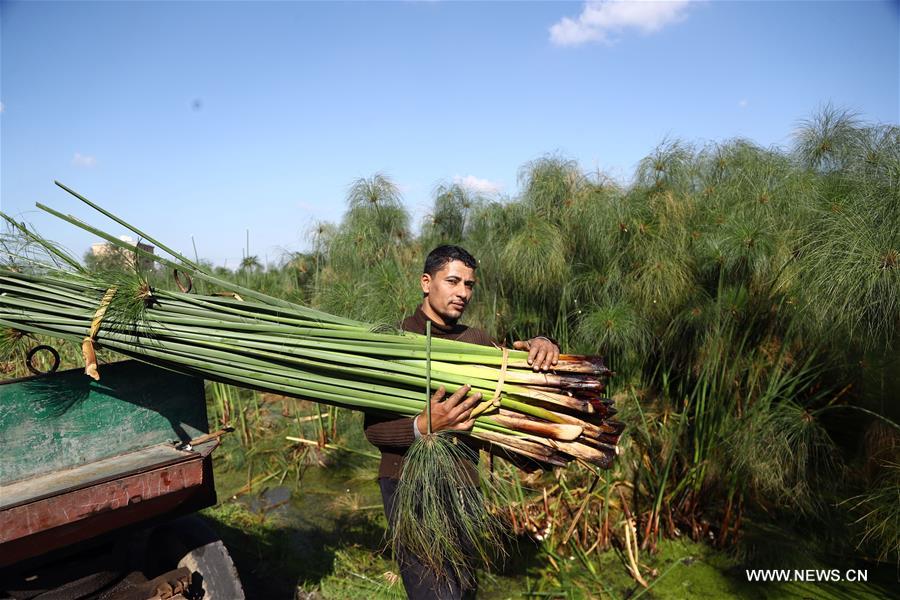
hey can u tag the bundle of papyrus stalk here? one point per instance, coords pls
(253, 340)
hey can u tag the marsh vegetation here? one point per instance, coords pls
(748, 300)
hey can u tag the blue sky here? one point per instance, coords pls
(205, 119)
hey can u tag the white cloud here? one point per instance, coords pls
(743, 103)
(2, 107)
(480, 186)
(599, 19)
(84, 160)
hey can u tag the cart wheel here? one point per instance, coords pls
(191, 543)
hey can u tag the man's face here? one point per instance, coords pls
(448, 292)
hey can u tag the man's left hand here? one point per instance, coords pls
(542, 353)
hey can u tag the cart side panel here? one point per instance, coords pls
(55, 422)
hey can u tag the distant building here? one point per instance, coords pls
(106, 250)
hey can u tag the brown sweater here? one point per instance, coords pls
(393, 436)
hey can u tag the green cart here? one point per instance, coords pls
(109, 468)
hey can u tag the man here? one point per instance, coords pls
(448, 282)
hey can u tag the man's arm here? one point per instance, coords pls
(389, 431)
(451, 413)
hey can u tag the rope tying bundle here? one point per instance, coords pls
(87, 344)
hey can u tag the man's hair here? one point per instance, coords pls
(441, 255)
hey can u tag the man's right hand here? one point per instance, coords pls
(452, 413)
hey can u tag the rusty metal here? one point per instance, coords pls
(182, 285)
(29, 359)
